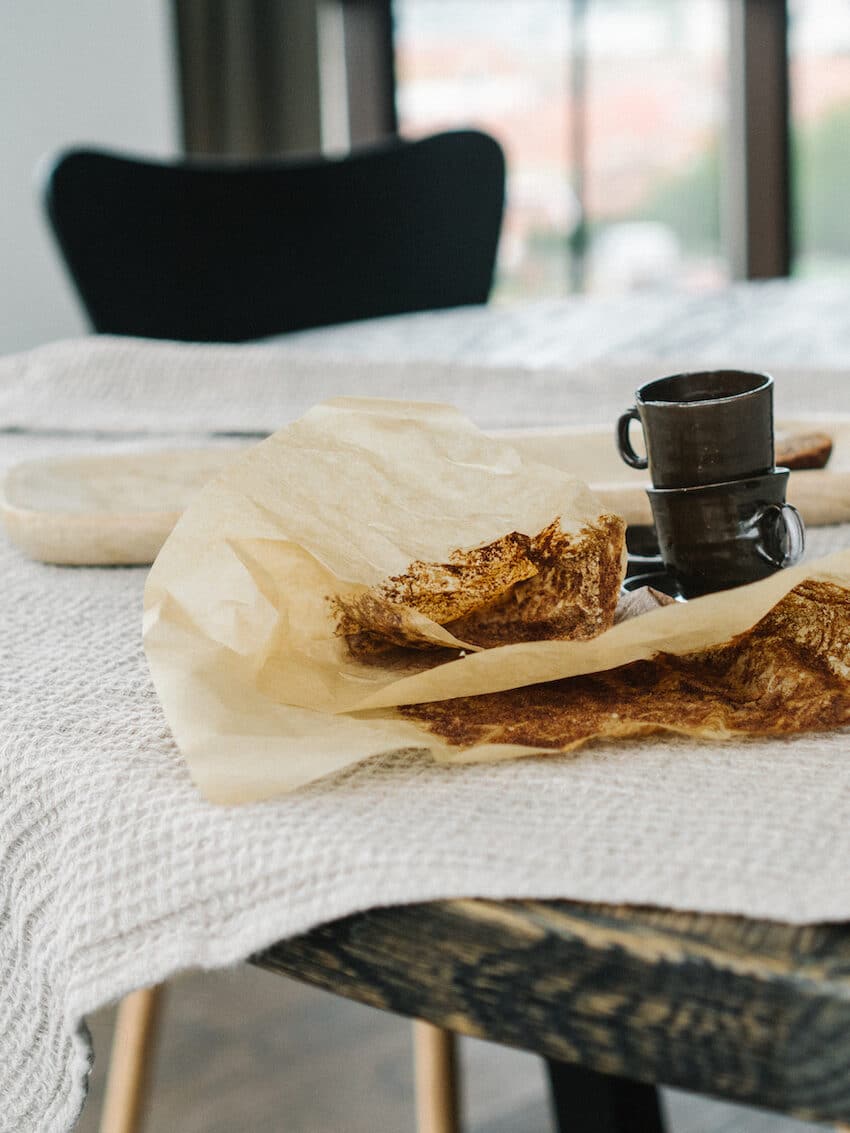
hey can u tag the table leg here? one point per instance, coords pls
(436, 1079)
(588, 1102)
(130, 1063)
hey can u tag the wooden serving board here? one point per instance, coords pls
(119, 509)
(103, 510)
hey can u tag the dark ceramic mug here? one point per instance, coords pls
(702, 428)
(724, 535)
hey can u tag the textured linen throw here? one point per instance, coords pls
(115, 873)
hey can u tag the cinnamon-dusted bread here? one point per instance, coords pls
(803, 450)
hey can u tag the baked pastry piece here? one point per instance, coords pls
(520, 587)
(803, 450)
(786, 674)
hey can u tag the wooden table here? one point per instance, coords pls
(616, 999)
(751, 1011)
(747, 1010)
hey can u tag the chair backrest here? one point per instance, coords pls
(229, 251)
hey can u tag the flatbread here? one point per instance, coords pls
(555, 585)
(787, 674)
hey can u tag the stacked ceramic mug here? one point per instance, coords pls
(718, 500)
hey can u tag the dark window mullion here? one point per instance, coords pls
(758, 190)
(578, 138)
(370, 69)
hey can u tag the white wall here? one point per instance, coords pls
(90, 71)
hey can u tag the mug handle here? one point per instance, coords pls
(624, 443)
(782, 535)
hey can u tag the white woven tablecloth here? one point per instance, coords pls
(113, 871)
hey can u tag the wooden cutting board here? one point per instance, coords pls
(119, 509)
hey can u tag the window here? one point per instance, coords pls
(819, 42)
(611, 113)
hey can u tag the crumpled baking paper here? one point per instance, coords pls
(242, 631)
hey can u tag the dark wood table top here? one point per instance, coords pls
(752, 1011)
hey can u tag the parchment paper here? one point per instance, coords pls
(259, 689)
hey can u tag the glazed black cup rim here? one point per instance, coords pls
(642, 399)
(704, 489)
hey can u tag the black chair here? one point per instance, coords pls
(228, 251)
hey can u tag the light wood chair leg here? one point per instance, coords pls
(435, 1059)
(130, 1062)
